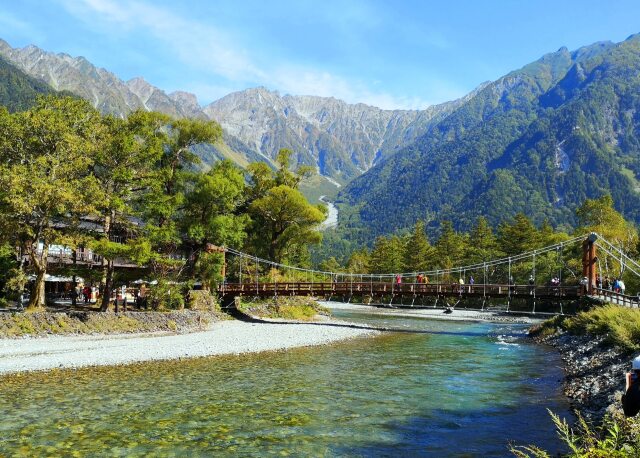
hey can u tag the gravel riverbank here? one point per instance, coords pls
(227, 337)
(594, 372)
(437, 314)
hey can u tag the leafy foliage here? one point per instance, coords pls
(128, 189)
(44, 176)
(284, 222)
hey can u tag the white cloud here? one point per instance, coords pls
(212, 50)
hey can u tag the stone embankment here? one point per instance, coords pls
(594, 372)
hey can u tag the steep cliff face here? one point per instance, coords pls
(342, 140)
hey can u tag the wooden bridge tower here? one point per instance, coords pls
(589, 259)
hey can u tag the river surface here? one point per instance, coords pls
(451, 389)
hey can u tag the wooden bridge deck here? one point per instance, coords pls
(329, 289)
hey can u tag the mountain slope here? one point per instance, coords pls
(342, 140)
(18, 91)
(102, 88)
(539, 140)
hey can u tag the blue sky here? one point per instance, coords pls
(391, 54)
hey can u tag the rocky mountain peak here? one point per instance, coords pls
(102, 88)
(141, 88)
(185, 98)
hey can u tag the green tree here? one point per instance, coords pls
(284, 176)
(419, 252)
(212, 214)
(164, 198)
(359, 262)
(482, 245)
(387, 256)
(518, 236)
(124, 167)
(598, 215)
(286, 222)
(450, 247)
(330, 265)
(45, 184)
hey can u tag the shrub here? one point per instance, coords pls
(291, 308)
(166, 296)
(203, 300)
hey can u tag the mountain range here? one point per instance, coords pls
(539, 140)
(340, 140)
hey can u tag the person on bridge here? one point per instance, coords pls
(621, 286)
(631, 396)
(419, 278)
(398, 279)
(584, 283)
(471, 280)
(532, 284)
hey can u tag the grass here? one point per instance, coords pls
(619, 325)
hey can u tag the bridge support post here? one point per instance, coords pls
(589, 260)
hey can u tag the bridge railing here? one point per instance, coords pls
(618, 298)
(389, 288)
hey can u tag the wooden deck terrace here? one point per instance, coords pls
(346, 289)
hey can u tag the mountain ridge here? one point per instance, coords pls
(340, 140)
(535, 141)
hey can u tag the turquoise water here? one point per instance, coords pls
(453, 389)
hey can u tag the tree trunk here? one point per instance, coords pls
(37, 299)
(74, 296)
(107, 265)
(108, 286)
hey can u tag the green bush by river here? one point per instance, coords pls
(620, 325)
(290, 308)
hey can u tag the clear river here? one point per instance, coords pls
(450, 389)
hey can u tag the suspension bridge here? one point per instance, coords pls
(513, 281)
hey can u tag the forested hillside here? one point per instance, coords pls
(18, 91)
(539, 141)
